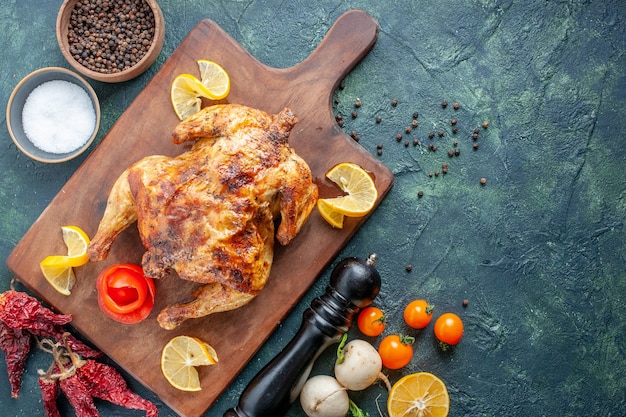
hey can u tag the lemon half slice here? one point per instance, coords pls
(57, 269)
(185, 94)
(420, 394)
(179, 358)
(335, 219)
(214, 78)
(357, 184)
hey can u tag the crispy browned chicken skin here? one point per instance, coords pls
(208, 214)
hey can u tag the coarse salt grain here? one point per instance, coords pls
(58, 117)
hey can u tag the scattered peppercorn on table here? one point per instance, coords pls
(502, 124)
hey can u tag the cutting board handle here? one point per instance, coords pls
(349, 39)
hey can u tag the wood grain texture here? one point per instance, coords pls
(144, 129)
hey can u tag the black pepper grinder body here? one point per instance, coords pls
(354, 283)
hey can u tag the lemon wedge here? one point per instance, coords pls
(179, 359)
(214, 78)
(360, 189)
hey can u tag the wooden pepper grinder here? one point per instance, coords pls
(354, 283)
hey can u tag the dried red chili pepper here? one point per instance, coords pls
(78, 396)
(49, 393)
(15, 343)
(19, 310)
(104, 382)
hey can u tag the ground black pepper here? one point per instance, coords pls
(110, 36)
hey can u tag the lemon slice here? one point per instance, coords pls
(214, 78)
(421, 394)
(57, 269)
(76, 241)
(61, 278)
(179, 358)
(333, 218)
(359, 187)
(186, 93)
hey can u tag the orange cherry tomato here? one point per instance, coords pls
(396, 351)
(448, 329)
(371, 321)
(418, 314)
(125, 294)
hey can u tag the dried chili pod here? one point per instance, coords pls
(78, 396)
(105, 382)
(49, 394)
(15, 343)
(19, 310)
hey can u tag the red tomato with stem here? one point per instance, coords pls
(371, 321)
(418, 314)
(396, 351)
(448, 330)
(125, 294)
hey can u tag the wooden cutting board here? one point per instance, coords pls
(144, 129)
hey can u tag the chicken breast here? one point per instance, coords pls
(209, 214)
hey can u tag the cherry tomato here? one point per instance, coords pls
(125, 294)
(448, 329)
(396, 351)
(418, 314)
(371, 321)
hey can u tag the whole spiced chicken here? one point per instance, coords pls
(209, 214)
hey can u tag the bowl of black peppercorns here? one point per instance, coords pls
(110, 40)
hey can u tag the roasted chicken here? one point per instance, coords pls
(209, 214)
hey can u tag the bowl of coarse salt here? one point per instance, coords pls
(53, 115)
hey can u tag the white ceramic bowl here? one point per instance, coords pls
(16, 103)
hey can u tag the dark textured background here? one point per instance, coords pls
(539, 251)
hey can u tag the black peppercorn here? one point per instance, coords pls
(415, 123)
(440, 133)
(379, 146)
(465, 303)
(450, 153)
(483, 181)
(455, 130)
(398, 137)
(394, 102)
(409, 268)
(379, 151)
(406, 143)
(485, 124)
(415, 115)
(474, 135)
(379, 119)
(453, 122)
(420, 194)
(456, 106)
(355, 115)
(357, 103)
(416, 142)
(431, 135)
(475, 146)
(444, 104)
(455, 143)
(457, 152)
(407, 129)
